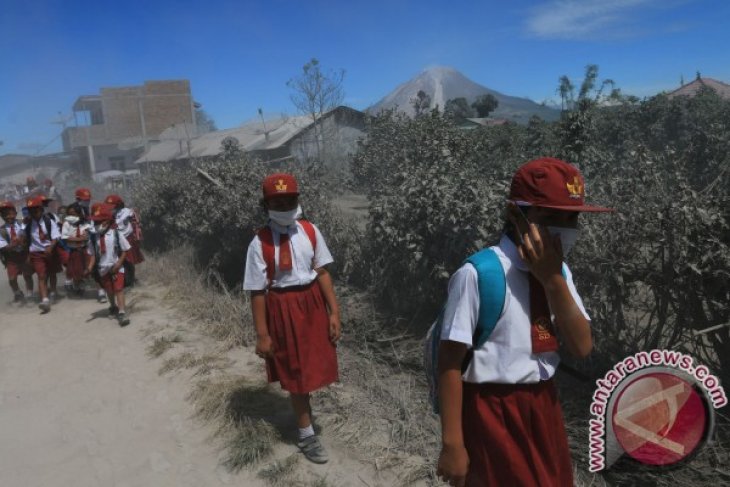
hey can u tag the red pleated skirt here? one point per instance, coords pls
(76, 264)
(304, 357)
(515, 436)
(134, 254)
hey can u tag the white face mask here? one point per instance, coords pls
(568, 237)
(73, 220)
(286, 218)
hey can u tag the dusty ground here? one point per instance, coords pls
(82, 403)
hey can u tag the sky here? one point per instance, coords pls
(238, 55)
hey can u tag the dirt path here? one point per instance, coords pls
(83, 404)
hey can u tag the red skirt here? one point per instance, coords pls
(515, 435)
(17, 264)
(76, 264)
(134, 254)
(304, 357)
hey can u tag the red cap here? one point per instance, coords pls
(7, 205)
(48, 182)
(30, 179)
(83, 194)
(102, 212)
(113, 199)
(280, 184)
(46, 198)
(36, 202)
(551, 183)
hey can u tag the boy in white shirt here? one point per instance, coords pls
(107, 250)
(75, 234)
(42, 236)
(14, 250)
(128, 225)
(501, 419)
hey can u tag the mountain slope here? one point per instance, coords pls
(443, 84)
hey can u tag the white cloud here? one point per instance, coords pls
(584, 19)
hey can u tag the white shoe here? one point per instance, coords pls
(101, 297)
(53, 297)
(45, 305)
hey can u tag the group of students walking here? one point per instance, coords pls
(502, 424)
(99, 241)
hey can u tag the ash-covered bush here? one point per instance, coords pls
(181, 206)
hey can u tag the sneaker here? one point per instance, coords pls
(45, 305)
(313, 449)
(52, 296)
(19, 297)
(123, 320)
(101, 297)
(113, 311)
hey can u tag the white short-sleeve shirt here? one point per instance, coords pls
(36, 245)
(19, 230)
(109, 258)
(506, 356)
(124, 219)
(304, 259)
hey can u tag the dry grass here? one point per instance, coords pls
(188, 360)
(280, 472)
(162, 344)
(218, 312)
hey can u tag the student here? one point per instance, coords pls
(293, 303)
(14, 251)
(107, 250)
(501, 420)
(83, 198)
(75, 236)
(58, 251)
(128, 225)
(42, 236)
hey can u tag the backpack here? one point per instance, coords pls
(492, 288)
(267, 245)
(29, 226)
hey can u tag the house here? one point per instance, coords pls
(691, 89)
(472, 123)
(274, 140)
(112, 129)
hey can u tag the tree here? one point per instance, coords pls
(485, 104)
(458, 109)
(314, 93)
(421, 103)
(204, 122)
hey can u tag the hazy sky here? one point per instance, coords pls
(239, 54)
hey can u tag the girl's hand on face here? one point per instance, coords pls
(541, 252)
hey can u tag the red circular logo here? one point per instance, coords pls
(659, 419)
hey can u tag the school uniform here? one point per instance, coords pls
(76, 255)
(16, 259)
(512, 420)
(297, 318)
(126, 221)
(107, 255)
(43, 264)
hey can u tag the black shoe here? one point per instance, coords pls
(113, 311)
(123, 320)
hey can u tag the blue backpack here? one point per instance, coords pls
(492, 289)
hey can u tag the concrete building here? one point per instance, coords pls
(114, 128)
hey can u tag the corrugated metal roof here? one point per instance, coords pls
(250, 136)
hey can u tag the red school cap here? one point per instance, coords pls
(83, 194)
(102, 212)
(280, 184)
(113, 199)
(7, 205)
(36, 202)
(551, 183)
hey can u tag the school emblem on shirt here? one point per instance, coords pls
(543, 328)
(280, 186)
(575, 188)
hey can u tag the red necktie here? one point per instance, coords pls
(541, 327)
(12, 232)
(285, 263)
(102, 243)
(41, 235)
(78, 232)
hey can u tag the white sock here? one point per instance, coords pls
(101, 292)
(306, 432)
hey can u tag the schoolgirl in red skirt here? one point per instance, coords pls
(293, 304)
(128, 225)
(502, 424)
(75, 235)
(14, 250)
